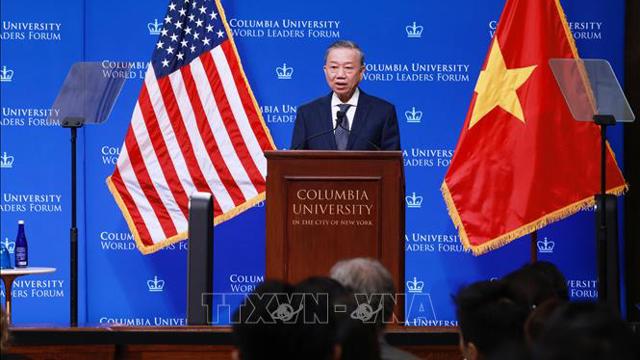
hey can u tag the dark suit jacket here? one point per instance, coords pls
(375, 122)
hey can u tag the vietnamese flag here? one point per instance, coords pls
(522, 161)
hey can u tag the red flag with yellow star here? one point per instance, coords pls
(522, 161)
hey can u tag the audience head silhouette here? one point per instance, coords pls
(535, 283)
(489, 320)
(371, 282)
(586, 331)
(259, 331)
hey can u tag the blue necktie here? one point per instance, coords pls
(342, 132)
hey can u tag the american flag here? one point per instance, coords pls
(196, 127)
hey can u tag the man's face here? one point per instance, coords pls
(343, 71)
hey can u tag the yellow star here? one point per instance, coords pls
(497, 86)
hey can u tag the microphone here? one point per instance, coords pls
(340, 116)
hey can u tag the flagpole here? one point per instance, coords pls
(534, 247)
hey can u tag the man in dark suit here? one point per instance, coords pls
(347, 118)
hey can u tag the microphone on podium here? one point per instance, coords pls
(340, 117)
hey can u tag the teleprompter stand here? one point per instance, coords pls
(86, 97)
(593, 93)
(607, 226)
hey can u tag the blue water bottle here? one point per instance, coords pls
(21, 252)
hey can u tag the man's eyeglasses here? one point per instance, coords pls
(335, 69)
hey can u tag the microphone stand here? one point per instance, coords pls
(339, 123)
(339, 120)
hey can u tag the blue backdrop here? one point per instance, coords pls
(424, 56)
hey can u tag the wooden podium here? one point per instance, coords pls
(324, 206)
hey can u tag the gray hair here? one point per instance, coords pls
(367, 276)
(345, 44)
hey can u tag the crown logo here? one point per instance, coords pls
(155, 27)
(6, 161)
(9, 245)
(413, 116)
(414, 31)
(6, 75)
(545, 246)
(155, 285)
(414, 286)
(414, 201)
(284, 72)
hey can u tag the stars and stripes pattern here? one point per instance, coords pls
(196, 127)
